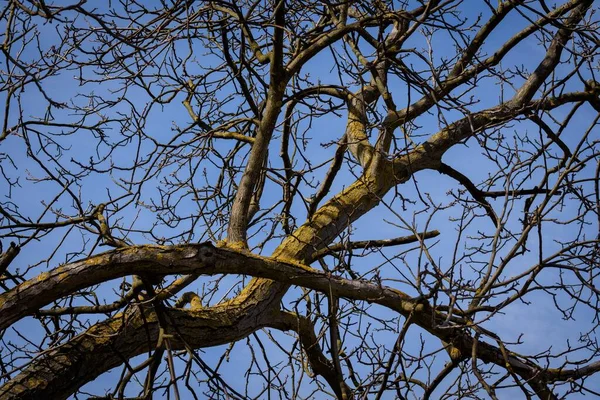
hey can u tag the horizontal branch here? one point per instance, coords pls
(196, 328)
(202, 259)
(232, 135)
(370, 244)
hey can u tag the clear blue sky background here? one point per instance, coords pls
(539, 324)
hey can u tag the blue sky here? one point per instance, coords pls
(540, 324)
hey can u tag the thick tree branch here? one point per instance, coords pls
(460, 74)
(238, 222)
(8, 256)
(153, 51)
(61, 371)
(428, 154)
(552, 58)
(229, 318)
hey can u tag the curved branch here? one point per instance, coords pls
(203, 258)
(133, 334)
(61, 371)
(473, 190)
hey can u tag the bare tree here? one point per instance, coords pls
(363, 199)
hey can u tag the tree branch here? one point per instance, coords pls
(370, 244)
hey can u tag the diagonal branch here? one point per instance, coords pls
(428, 155)
(63, 370)
(472, 189)
(310, 344)
(8, 256)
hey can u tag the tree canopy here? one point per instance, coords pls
(299, 199)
